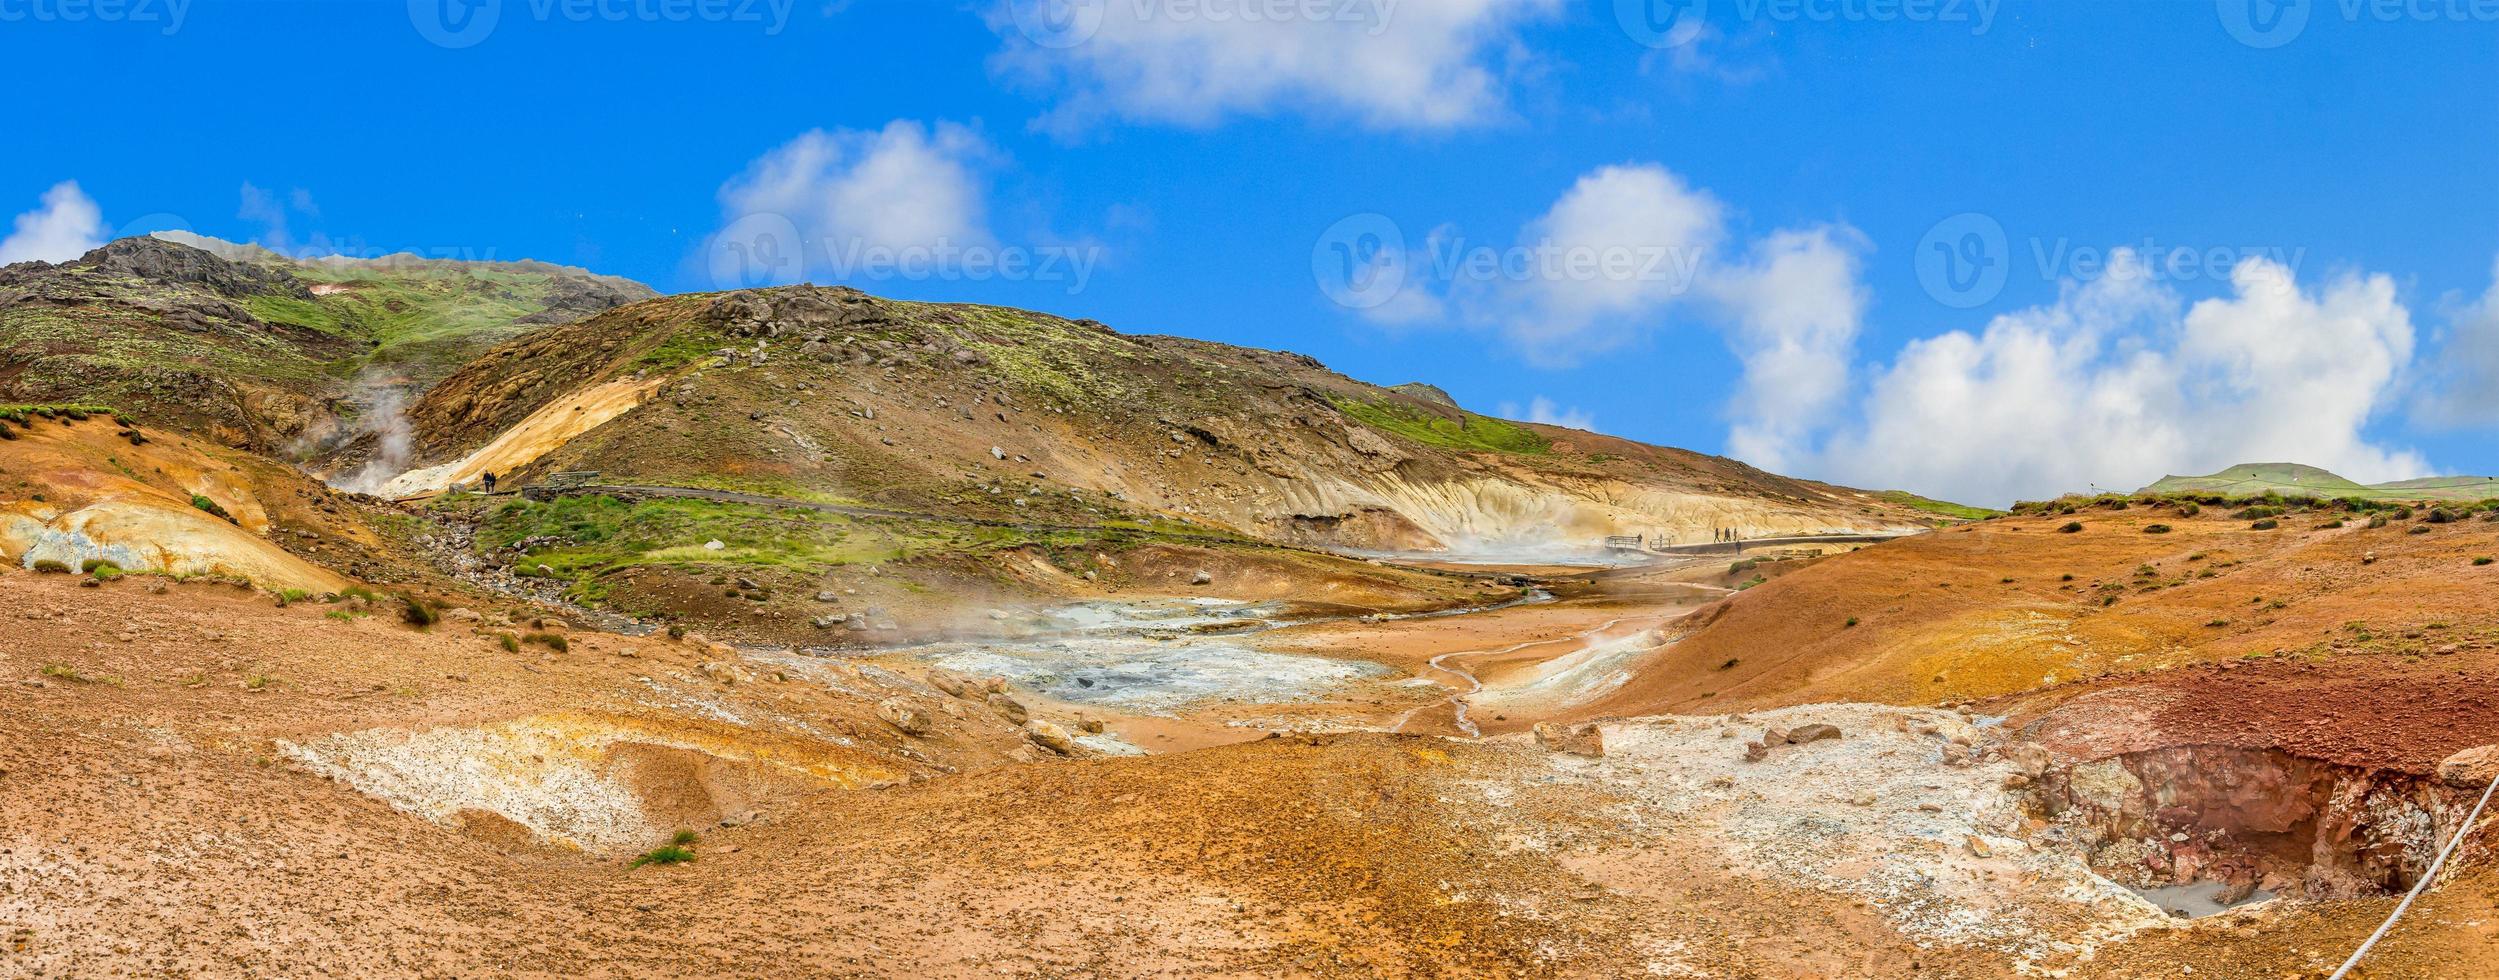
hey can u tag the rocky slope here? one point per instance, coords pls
(259, 351)
(1005, 414)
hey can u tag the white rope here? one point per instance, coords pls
(2419, 886)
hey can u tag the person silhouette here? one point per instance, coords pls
(489, 479)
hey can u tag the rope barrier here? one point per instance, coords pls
(2419, 886)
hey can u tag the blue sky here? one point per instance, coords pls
(1771, 171)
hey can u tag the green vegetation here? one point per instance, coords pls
(64, 672)
(1468, 432)
(418, 612)
(551, 641)
(2267, 524)
(25, 415)
(2071, 527)
(510, 643)
(684, 838)
(1961, 512)
(51, 566)
(288, 597)
(2157, 529)
(2483, 560)
(2295, 480)
(670, 854)
(211, 508)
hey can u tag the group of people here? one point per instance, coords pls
(1726, 534)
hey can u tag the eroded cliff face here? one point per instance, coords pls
(2252, 819)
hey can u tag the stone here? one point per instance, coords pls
(1203, 577)
(1583, 738)
(1051, 737)
(1089, 725)
(463, 615)
(952, 683)
(1812, 733)
(2473, 768)
(827, 596)
(727, 673)
(2028, 758)
(1012, 709)
(1755, 751)
(714, 545)
(900, 714)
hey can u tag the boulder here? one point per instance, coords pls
(1580, 739)
(1812, 733)
(952, 683)
(2473, 768)
(1202, 578)
(1012, 709)
(1051, 737)
(900, 714)
(1756, 751)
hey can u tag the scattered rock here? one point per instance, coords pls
(463, 615)
(714, 545)
(2473, 768)
(1580, 739)
(1203, 577)
(1812, 733)
(1012, 709)
(1051, 737)
(1755, 751)
(900, 714)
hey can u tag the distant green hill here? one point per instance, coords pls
(2294, 479)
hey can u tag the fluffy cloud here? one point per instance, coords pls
(1385, 63)
(2118, 383)
(907, 185)
(1796, 309)
(1543, 411)
(852, 200)
(66, 226)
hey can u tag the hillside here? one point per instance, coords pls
(258, 351)
(2296, 480)
(1004, 414)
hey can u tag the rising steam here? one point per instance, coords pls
(384, 416)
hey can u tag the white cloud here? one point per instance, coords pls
(1420, 64)
(271, 211)
(1543, 411)
(2113, 385)
(1796, 309)
(2465, 384)
(907, 185)
(66, 226)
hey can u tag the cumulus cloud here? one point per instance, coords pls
(67, 225)
(1383, 63)
(2119, 382)
(273, 213)
(906, 185)
(1796, 307)
(1544, 411)
(2464, 389)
